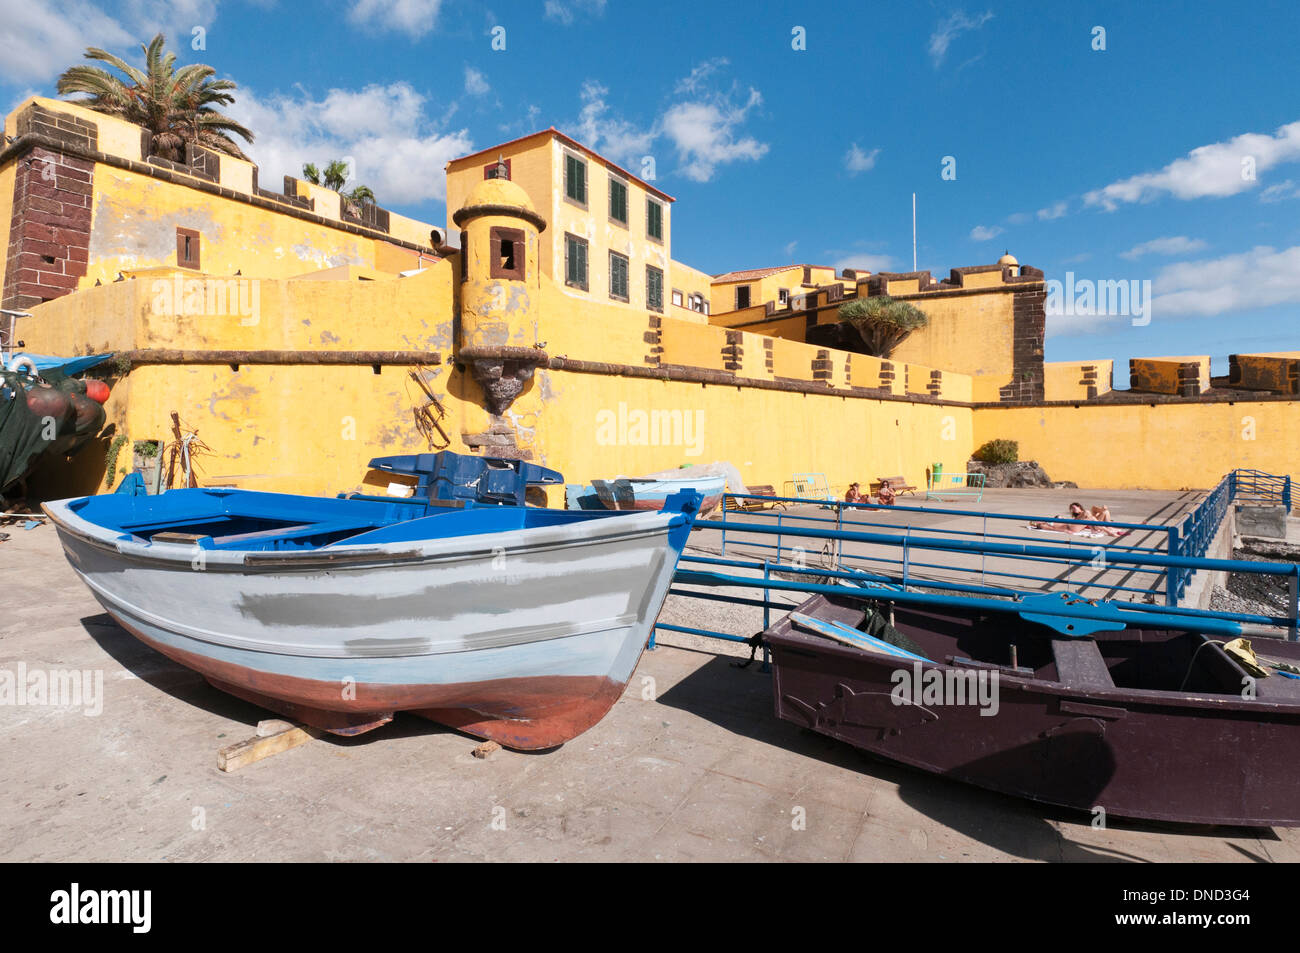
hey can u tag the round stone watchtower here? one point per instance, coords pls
(500, 284)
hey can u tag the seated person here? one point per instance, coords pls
(855, 495)
(885, 495)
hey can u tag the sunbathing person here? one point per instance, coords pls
(885, 495)
(1077, 512)
(1102, 515)
(855, 495)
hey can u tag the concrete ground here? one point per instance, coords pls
(691, 764)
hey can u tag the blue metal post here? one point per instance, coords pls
(1293, 606)
(1171, 574)
(724, 527)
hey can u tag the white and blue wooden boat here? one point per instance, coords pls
(512, 623)
(644, 493)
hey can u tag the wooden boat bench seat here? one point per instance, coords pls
(298, 531)
(1079, 664)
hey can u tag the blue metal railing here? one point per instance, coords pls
(1198, 531)
(1172, 564)
(792, 538)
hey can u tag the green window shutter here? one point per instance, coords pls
(575, 262)
(575, 179)
(618, 201)
(654, 219)
(575, 270)
(654, 288)
(618, 275)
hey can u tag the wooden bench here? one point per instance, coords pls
(896, 483)
(748, 504)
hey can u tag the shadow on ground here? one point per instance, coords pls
(189, 687)
(740, 701)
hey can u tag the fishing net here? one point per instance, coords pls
(22, 433)
(25, 435)
(876, 624)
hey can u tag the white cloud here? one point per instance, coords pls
(1064, 325)
(695, 81)
(949, 29)
(610, 135)
(476, 83)
(1259, 278)
(393, 146)
(566, 11)
(704, 129)
(855, 160)
(1174, 245)
(789, 249)
(1280, 191)
(981, 233)
(1216, 170)
(864, 261)
(705, 134)
(412, 17)
(40, 40)
(1053, 211)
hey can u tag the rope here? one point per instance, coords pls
(1192, 663)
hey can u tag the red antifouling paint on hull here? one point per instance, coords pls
(710, 503)
(526, 713)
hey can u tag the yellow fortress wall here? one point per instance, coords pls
(1159, 445)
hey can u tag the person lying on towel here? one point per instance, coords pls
(1077, 512)
(1102, 515)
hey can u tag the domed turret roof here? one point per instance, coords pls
(499, 192)
(498, 197)
(1008, 259)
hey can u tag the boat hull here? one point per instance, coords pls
(646, 495)
(1198, 758)
(525, 638)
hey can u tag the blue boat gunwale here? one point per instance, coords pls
(292, 529)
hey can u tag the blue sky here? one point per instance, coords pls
(1172, 155)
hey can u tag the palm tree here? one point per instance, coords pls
(178, 106)
(335, 177)
(882, 323)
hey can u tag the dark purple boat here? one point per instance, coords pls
(1158, 724)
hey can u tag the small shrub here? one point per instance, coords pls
(110, 458)
(998, 451)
